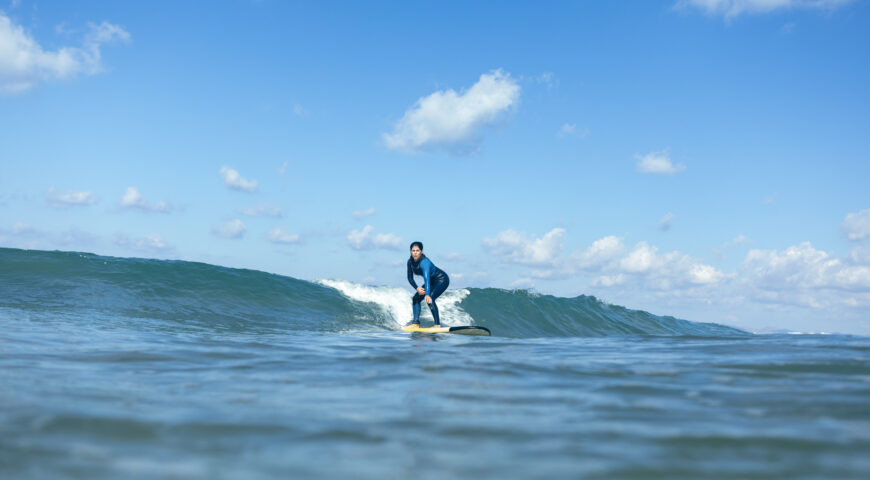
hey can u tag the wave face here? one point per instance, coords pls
(195, 296)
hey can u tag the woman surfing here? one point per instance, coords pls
(435, 282)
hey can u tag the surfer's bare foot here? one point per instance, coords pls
(412, 325)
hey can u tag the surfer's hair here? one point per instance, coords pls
(417, 244)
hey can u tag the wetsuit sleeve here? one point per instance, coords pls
(426, 267)
(411, 276)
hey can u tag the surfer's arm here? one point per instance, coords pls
(426, 267)
(411, 276)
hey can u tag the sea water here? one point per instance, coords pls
(131, 368)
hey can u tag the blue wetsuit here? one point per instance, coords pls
(435, 281)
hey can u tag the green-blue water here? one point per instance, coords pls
(128, 368)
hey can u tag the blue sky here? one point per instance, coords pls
(707, 159)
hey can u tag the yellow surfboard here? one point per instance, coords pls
(466, 330)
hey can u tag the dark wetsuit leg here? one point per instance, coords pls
(439, 285)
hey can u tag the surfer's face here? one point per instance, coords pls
(416, 252)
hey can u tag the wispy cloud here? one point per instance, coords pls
(231, 229)
(149, 243)
(657, 163)
(549, 79)
(571, 130)
(666, 222)
(264, 210)
(278, 235)
(856, 226)
(70, 199)
(24, 64)
(366, 239)
(451, 120)
(234, 180)
(733, 8)
(364, 213)
(133, 199)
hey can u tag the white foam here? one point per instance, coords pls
(396, 302)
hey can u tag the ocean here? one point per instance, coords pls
(133, 368)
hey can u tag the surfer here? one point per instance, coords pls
(435, 281)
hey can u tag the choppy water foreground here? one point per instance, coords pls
(107, 371)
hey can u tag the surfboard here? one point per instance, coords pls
(466, 330)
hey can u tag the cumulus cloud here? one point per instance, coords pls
(366, 239)
(70, 198)
(598, 254)
(515, 247)
(133, 199)
(451, 120)
(231, 229)
(278, 235)
(669, 269)
(734, 8)
(264, 210)
(607, 259)
(364, 213)
(657, 162)
(24, 63)
(856, 226)
(803, 275)
(234, 180)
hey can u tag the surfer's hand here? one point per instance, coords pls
(428, 299)
(421, 290)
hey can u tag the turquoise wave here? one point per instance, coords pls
(148, 294)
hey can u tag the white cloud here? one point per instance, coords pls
(277, 235)
(365, 240)
(856, 226)
(571, 130)
(133, 199)
(264, 210)
(231, 229)
(733, 8)
(453, 256)
(668, 270)
(148, 243)
(283, 169)
(657, 162)
(599, 253)
(738, 240)
(70, 199)
(19, 228)
(74, 237)
(523, 283)
(802, 275)
(516, 247)
(299, 110)
(610, 280)
(364, 213)
(549, 79)
(446, 119)
(640, 260)
(666, 222)
(24, 63)
(233, 180)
